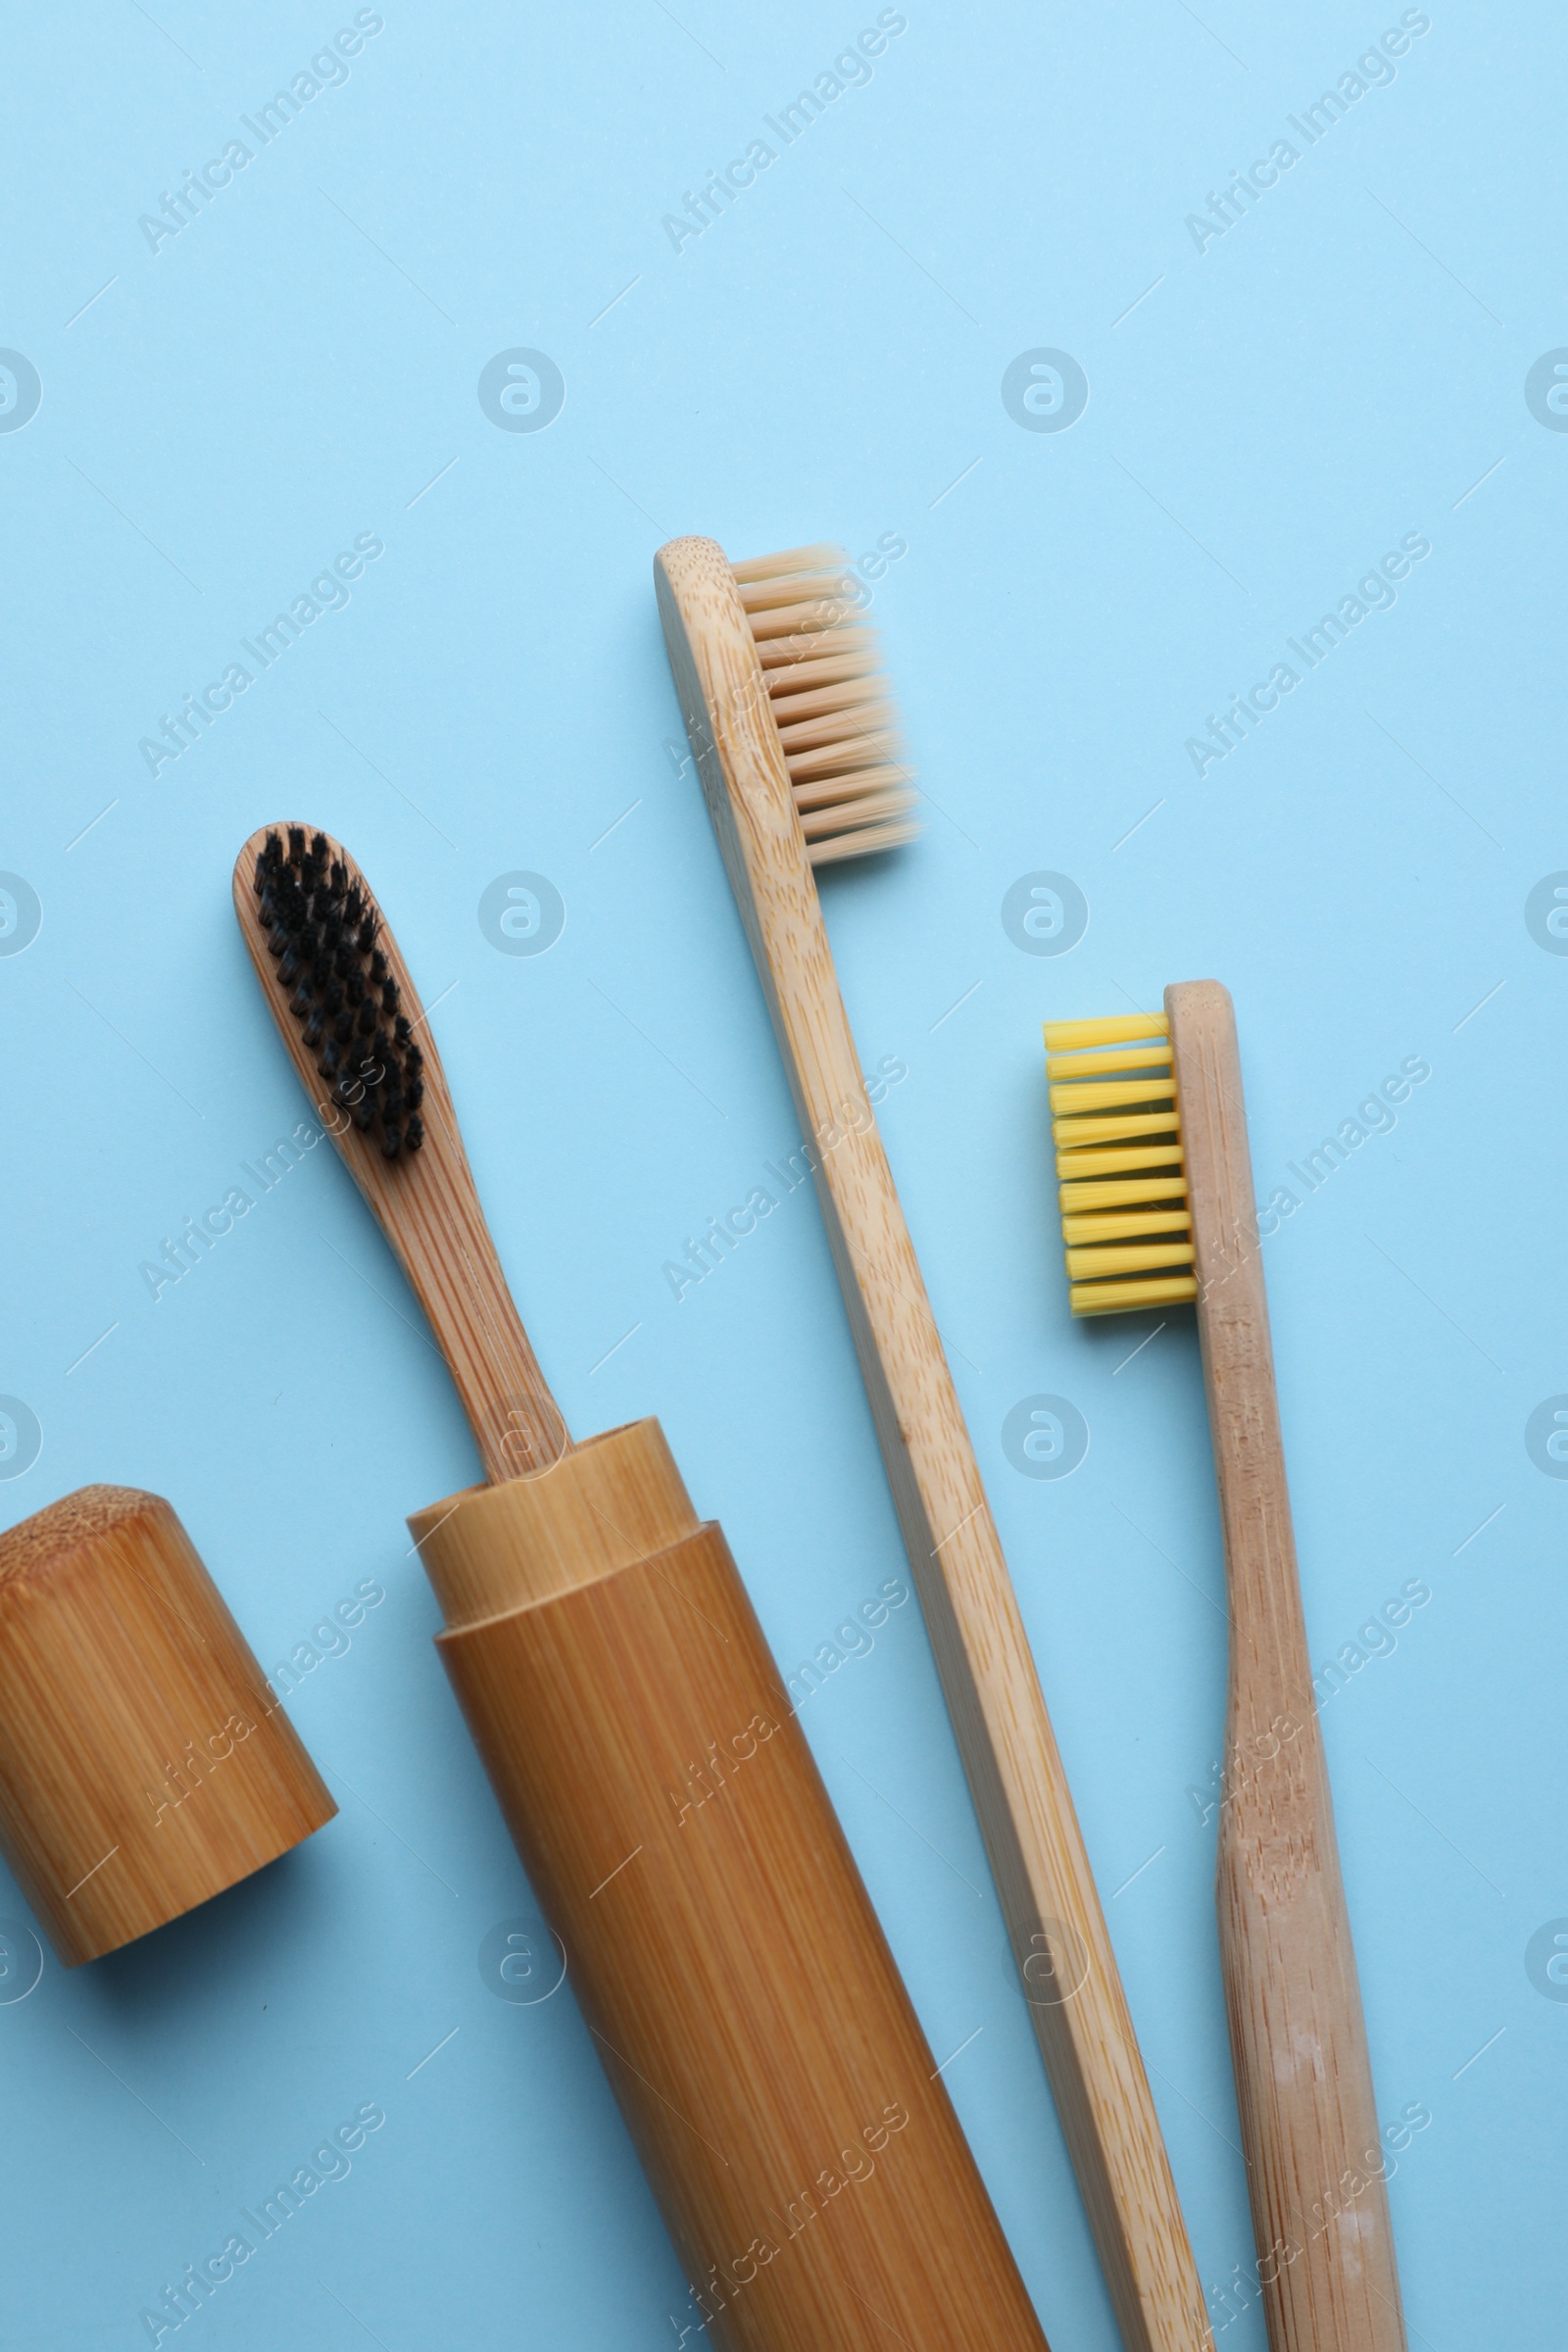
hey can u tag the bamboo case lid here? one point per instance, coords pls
(144, 1765)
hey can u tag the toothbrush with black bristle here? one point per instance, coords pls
(351, 1018)
(598, 1637)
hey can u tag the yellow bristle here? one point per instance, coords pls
(1066, 1134)
(1138, 1258)
(1120, 1163)
(837, 726)
(1119, 1093)
(1123, 1225)
(1099, 1066)
(1076, 1198)
(1127, 1234)
(1062, 1036)
(1130, 1298)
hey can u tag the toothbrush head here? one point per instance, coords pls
(326, 966)
(1116, 1125)
(829, 700)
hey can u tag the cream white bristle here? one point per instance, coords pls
(837, 726)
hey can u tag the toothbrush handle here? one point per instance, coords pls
(1304, 2077)
(1015, 1775)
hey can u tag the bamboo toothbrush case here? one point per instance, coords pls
(724, 1950)
(144, 1766)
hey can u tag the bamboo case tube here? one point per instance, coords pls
(726, 1957)
(143, 1764)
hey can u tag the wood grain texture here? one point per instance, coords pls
(722, 1948)
(1315, 2162)
(427, 1205)
(1015, 1775)
(144, 1764)
(721, 1945)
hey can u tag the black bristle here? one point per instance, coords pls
(323, 927)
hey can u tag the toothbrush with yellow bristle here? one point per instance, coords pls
(1156, 1208)
(796, 743)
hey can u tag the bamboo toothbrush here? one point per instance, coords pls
(1163, 1091)
(795, 740)
(639, 1738)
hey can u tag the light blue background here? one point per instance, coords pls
(1266, 417)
